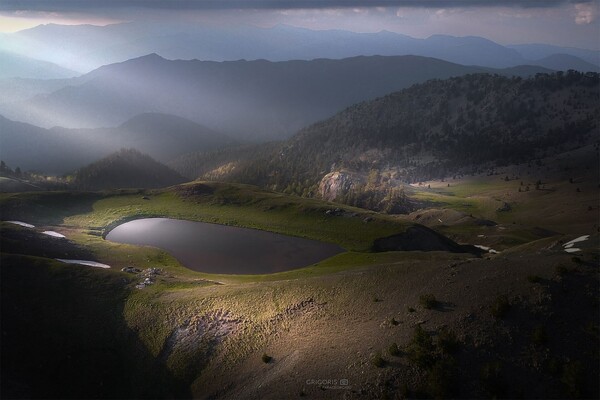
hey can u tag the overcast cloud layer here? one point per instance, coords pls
(78, 5)
(572, 23)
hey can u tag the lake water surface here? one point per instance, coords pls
(223, 249)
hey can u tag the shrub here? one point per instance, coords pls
(428, 301)
(404, 391)
(420, 349)
(447, 341)
(442, 380)
(378, 360)
(561, 270)
(534, 279)
(572, 378)
(493, 380)
(410, 309)
(552, 366)
(266, 358)
(394, 350)
(539, 336)
(593, 330)
(393, 321)
(500, 307)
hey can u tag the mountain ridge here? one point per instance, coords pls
(60, 150)
(112, 43)
(19, 66)
(248, 99)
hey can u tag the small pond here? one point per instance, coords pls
(223, 249)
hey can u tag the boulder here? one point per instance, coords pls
(337, 183)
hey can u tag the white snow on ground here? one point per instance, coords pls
(572, 250)
(54, 234)
(569, 245)
(579, 239)
(25, 224)
(84, 262)
(486, 248)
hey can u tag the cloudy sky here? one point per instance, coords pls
(562, 22)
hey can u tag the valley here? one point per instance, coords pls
(280, 200)
(333, 319)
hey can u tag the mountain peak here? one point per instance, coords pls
(151, 56)
(150, 120)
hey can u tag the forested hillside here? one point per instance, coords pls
(127, 168)
(436, 129)
(214, 165)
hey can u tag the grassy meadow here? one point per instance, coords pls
(192, 334)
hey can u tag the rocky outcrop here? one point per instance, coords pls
(337, 183)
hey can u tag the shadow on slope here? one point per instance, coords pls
(421, 238)
(64, 336)
(46, 207)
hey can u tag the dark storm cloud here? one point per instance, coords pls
(82, 5)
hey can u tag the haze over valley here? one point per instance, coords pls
(248, 200)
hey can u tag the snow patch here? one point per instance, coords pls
(25, 224)
(84, 262)
(579, 239)
(54, 234)
(569, 245)
(486, 248)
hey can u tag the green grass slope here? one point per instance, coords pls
(522, 323)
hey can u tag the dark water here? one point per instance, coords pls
(223, 249)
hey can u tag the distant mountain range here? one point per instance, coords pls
(538, 51)
(253, 100)
(16, 65)
(13, 90)
(60, 150)
(85, 47)
(565, 62)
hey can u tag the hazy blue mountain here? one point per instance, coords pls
(61, 150)
(71, 46)
(86, 47)
(250, 99)
(21, 89)
(565, 62)
(14, 65)
(469, 50)
(536, 51)
(127, 168)
(165, 137)
(51, 151)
